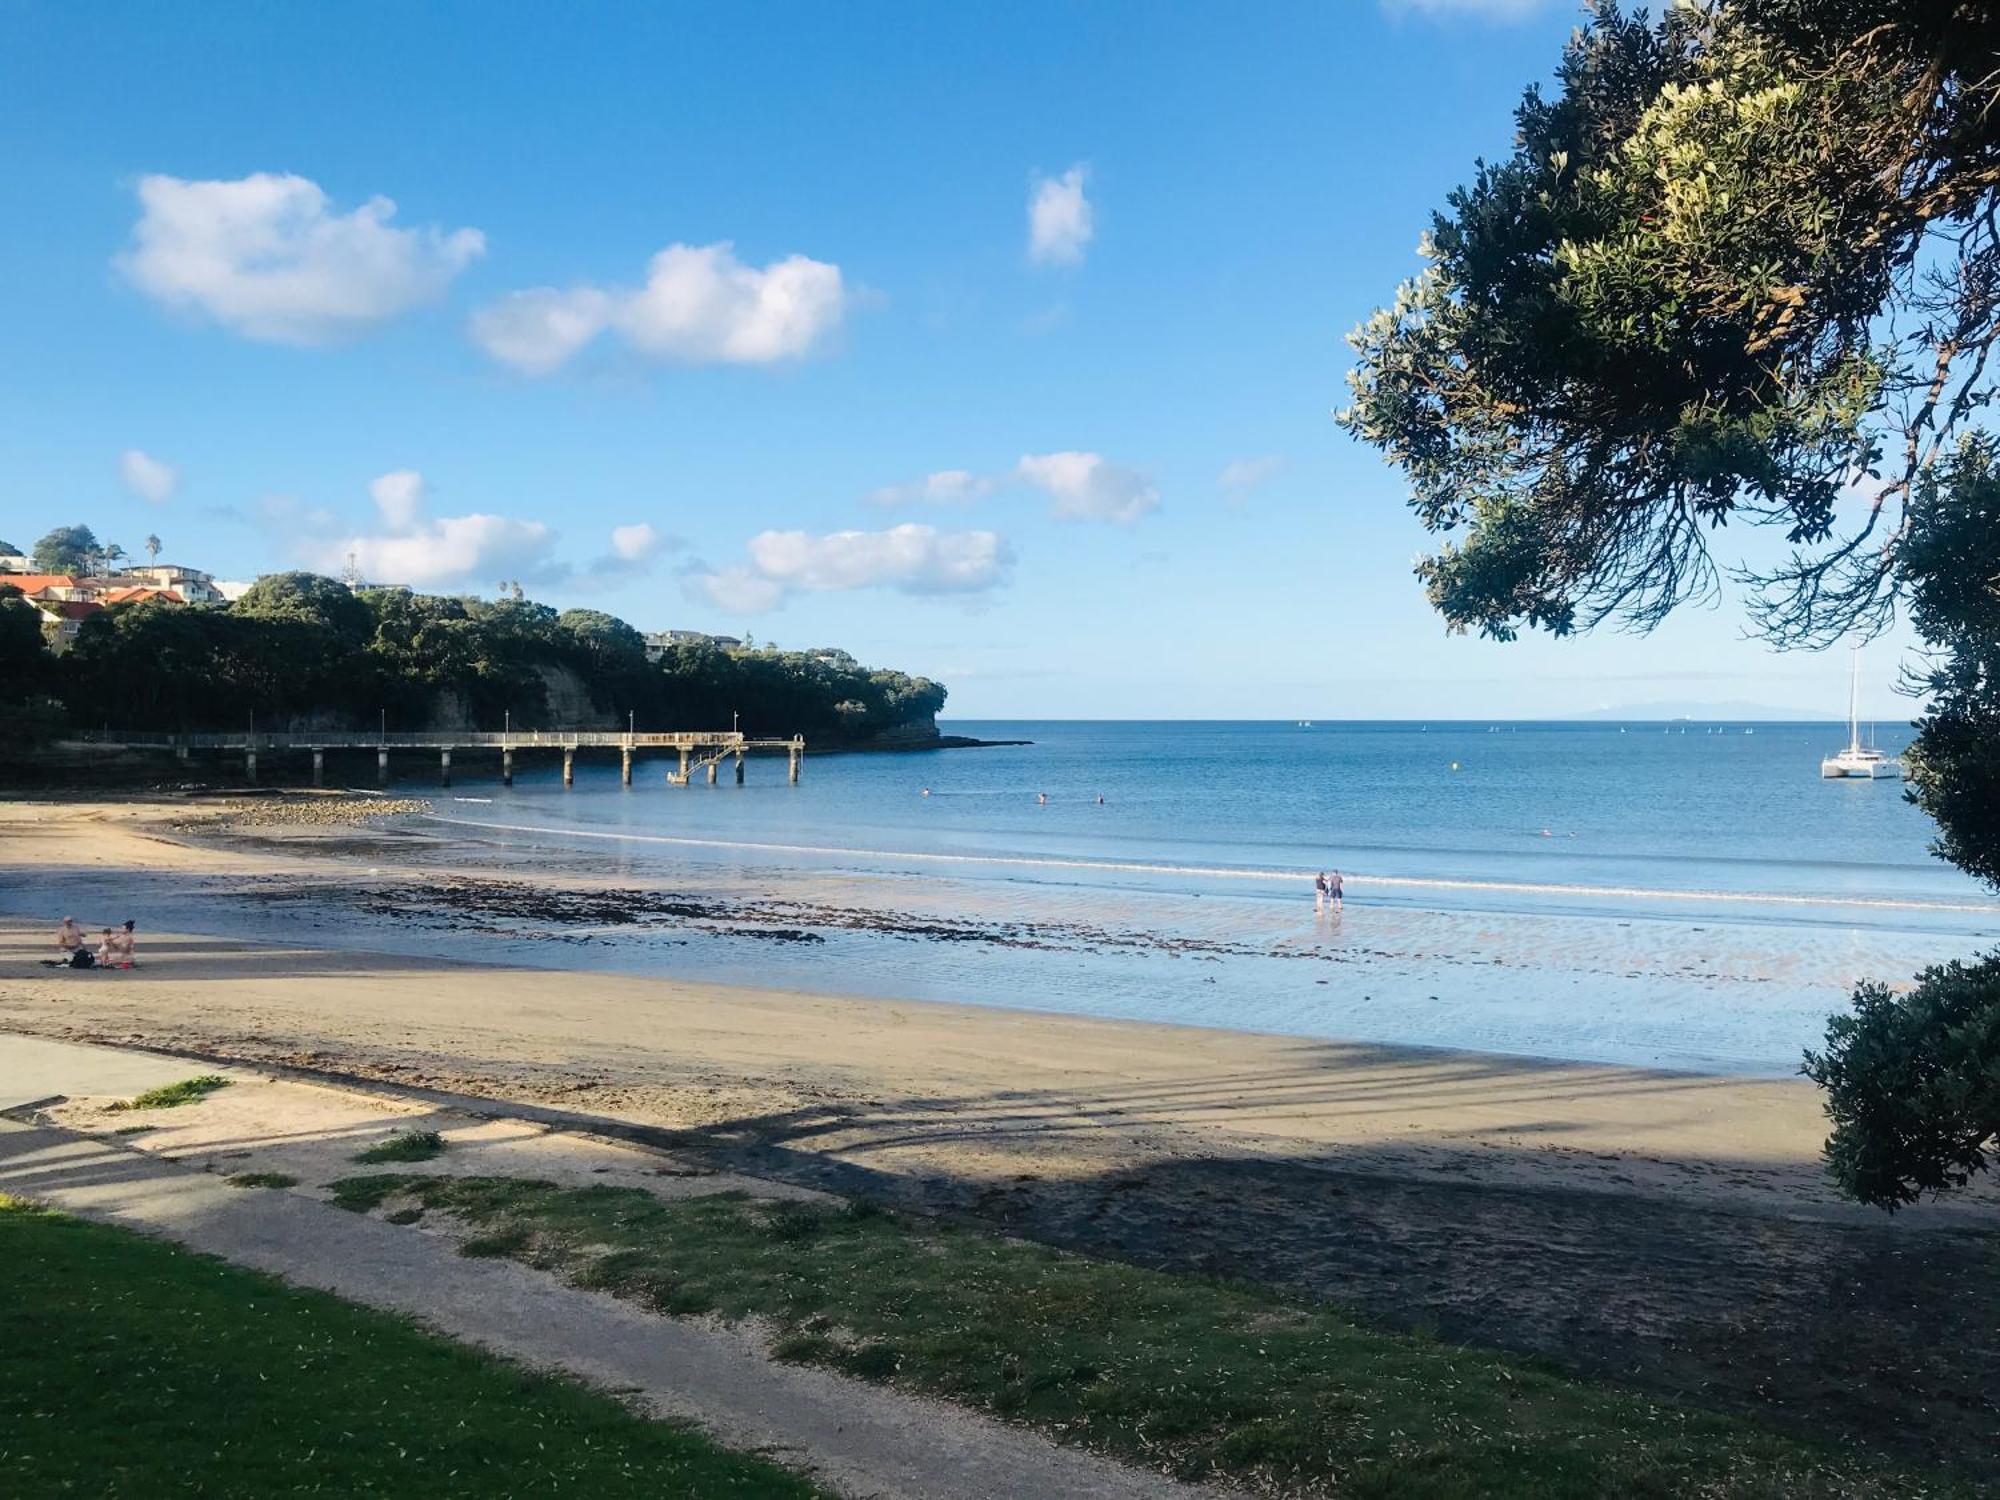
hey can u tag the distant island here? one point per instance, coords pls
(300, 652)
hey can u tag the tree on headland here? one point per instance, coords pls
(8, 549)
(153, 545)
(308, 597)
(608, 644)
(1743, 267)
(67, 549)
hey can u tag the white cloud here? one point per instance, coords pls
(1240, 477)
(1088, 487)
(634, 549)
(1059, 218)
(265, 257)
(945, 487)
(415, 549)
(452, 549)
(637, 543)
(148, 477)
(537, 331)
(700, 305)
(910, 559)
(399, 497)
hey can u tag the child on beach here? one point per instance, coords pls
(117, 948)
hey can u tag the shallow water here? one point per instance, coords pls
(1697, 899)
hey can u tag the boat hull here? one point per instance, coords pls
(1836, 769)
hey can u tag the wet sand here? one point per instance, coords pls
(1668, 1229)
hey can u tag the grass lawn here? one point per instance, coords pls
(1202, 1378)
(131, 1367)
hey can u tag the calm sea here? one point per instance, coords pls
(1685, 896)
(1673, 895)
(1531, 813)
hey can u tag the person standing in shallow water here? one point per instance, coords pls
(1319, 894)
(1334, 889)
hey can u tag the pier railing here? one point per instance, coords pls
(454, 739)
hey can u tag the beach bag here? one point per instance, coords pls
(83, 958)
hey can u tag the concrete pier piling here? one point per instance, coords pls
(250, 765)
(739, 768)
(444, 768)
(382, 765)
(683, 781)
(625, 765)
(506, 768)
(796, 753)
(569, 768)
(319, 766)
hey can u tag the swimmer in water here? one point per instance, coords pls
(1041, 799)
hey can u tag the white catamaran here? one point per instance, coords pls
(1858, 759)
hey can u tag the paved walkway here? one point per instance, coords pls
(33, 1070)
(857, 1438)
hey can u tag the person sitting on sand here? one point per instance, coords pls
(107, 950)
(69, 936)
(125, 945)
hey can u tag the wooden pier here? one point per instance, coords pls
(696, 750)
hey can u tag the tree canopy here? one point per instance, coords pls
(67, 549)
(1743, 266)
(300, 650)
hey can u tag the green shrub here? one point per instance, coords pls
(1913, 1084)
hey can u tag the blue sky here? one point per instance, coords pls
(993, 343)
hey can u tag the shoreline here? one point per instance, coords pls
(277, 867)
(799, 1033)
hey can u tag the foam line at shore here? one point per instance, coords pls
(1289, 877)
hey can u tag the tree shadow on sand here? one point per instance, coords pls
(1854, 1329)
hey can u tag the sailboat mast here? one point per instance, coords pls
(1853, 703)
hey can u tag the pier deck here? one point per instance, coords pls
(696, 749)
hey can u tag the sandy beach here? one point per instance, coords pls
(1670, 1229)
